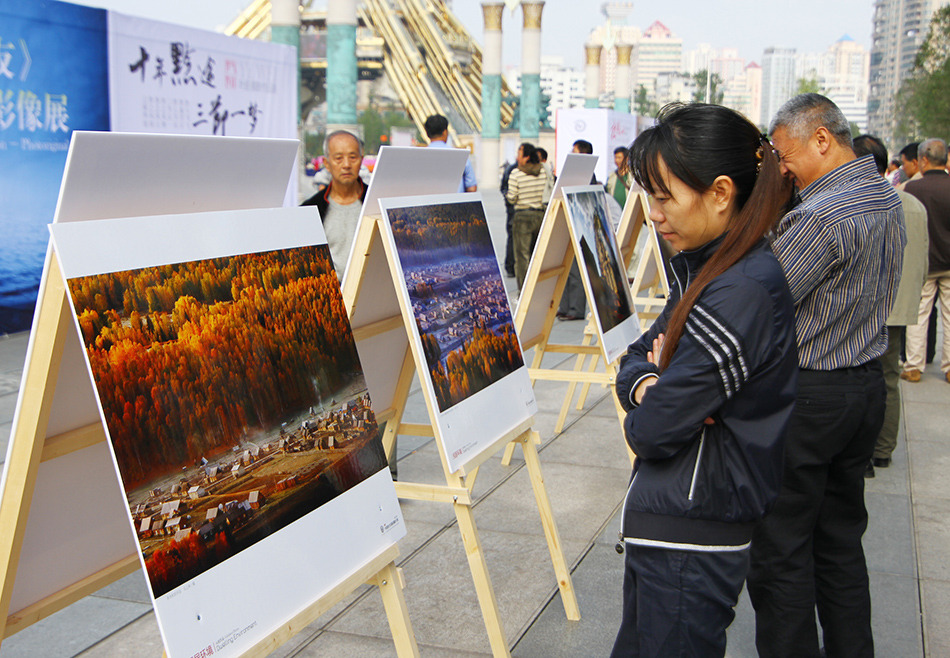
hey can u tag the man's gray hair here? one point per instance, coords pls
(802, 115)
(337, 133)
(935, 150)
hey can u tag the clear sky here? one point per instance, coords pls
(749, 25)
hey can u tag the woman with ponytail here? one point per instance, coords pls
(710, 387)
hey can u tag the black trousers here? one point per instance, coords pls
(678, 603)
(807, 552)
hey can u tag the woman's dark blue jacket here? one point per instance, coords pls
(697, 486)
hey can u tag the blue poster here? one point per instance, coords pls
(53, 80)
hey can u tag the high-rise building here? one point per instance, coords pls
(900, 27)
(658, 51)
(564, 86)
(778, 81)
(841, 74)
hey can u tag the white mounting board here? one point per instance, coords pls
(110, 175)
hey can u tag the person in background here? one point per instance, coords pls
(841, 249)
(437, 130)
(341, 200)
(906, 301)
(893, 171)
(909, 168)
(509, 217)
(709, 388)
(933, 190)
(525, 192)
(618, 183)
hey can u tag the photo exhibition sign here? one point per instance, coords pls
(65, 67)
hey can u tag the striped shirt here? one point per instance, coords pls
(841, 250)
(526, 191)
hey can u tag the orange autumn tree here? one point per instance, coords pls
(188, 356)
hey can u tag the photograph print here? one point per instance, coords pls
(601, 260)
(234, 399)
(457, 296)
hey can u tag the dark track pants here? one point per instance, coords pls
(678, 603)
(807, 552)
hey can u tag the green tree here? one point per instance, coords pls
(715, 82)
(921, 101)
(808, 86)
(642, 103)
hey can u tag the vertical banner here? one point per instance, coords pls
(52, 81)
(166, 78)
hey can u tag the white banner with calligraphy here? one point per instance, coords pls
(166, 78)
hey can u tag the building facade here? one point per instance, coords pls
(899, 29)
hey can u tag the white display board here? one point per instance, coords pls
(237, 602)
(166, 78)
(457, 289)
(77, 522)
(171, 174)
(601, 268)
(604, 129)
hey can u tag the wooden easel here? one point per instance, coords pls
(650, 286)
(382, 325)
(52, 327)
(628, 232)
(544, 283)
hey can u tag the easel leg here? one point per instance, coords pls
(390, 584)
(509, 453)
(564, 582)
(52, 324)
(483, 586)
(585, 388)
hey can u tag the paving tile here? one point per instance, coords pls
(140, 638)
(131, 588)
(895, 615)
(933, 538)
(440, 593)
(344, 645)
(13, 351)
(888, 542)
(598, 582)
(935, 597)
(930, 469)
(582, 497)
(73, 629)
(596, 441)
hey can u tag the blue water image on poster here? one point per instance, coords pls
(53, 80)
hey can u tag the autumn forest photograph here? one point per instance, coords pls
(458, 297)
(233, 396)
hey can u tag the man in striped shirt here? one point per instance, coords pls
(841, 249)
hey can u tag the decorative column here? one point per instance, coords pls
(285, 28)
(592, 76)
(491, 91)
(341, 65)
(622, 82)
(530, 107)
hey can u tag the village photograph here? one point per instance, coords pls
(234, 399)
(588, 214)
(458, 297)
